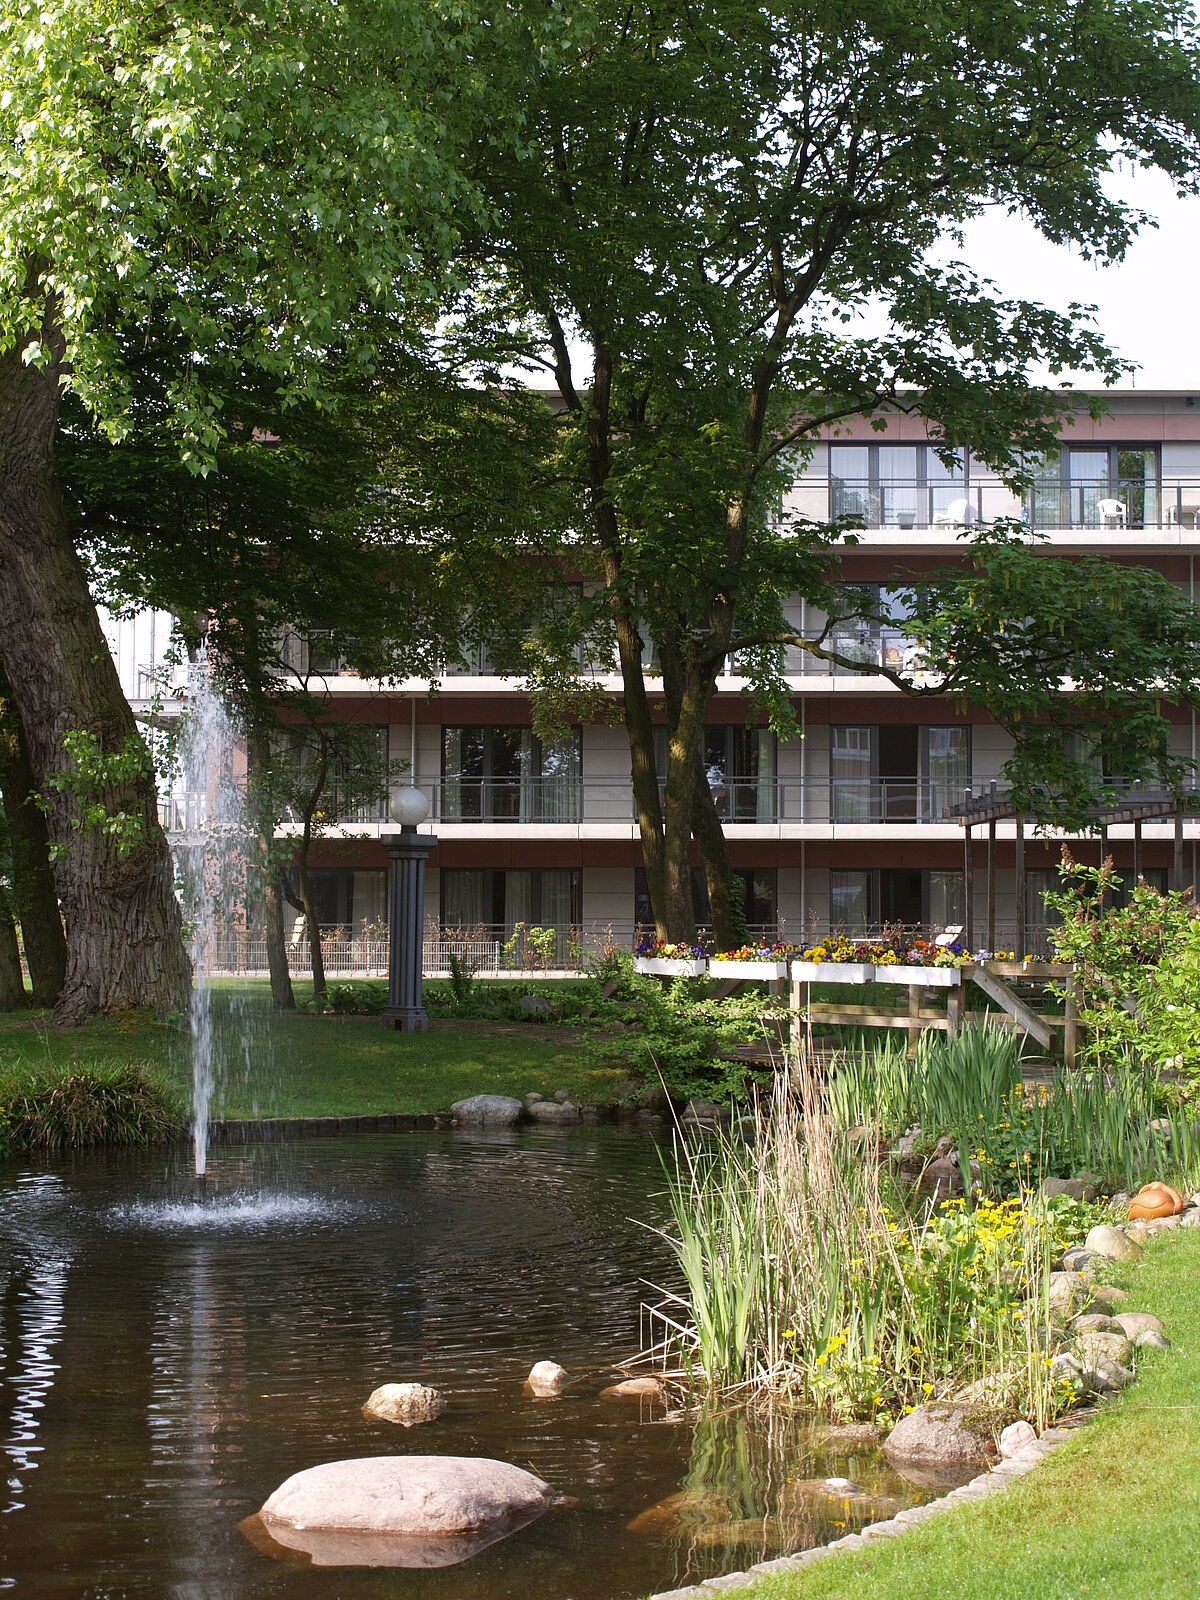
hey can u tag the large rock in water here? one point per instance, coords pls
(402, 1511)
(940, 1435)
(494, 1110)
(406, 1403)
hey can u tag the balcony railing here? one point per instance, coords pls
(1141, 504)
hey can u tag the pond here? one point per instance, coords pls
(164, 1367)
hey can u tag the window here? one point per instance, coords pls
(852, 900)
(541, 897)
(897, 485)
(897, 773)
(759, 890)
(741, 766)
(508, 774)
(908, 897)
(1082, 486)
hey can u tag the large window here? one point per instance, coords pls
(897, 773)
(909, 897)
(544, 897)
(759, 891)
(1095, 486)
(740, 764)
(508, 774)
(898, 486)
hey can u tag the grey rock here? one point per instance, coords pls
(1112, 1243)
(1106, 1297)
(941, 1179)
(1078, 1259)
(1190, 1219)
(704, 1111)
(1112, 1377)
(493, 1110)
(535, 1005)
(627, 1089)
(1152, 1340)
(653, 1097)
(1066, 1369)
(1138, 1231)
(553, 1111)
(1082, 1188)
(1158, 1225)
(1067, 1293)
(562, 1096)
(547, 1378)
(940, 1434)
(1097, 1322)
(1120, 1201)
(420, 1498)
(1133, 1323)
(904, 1148)
(643, 1388)
(1093, 1348)
(405, 1403)
(1016, 1438)
(532, 1098)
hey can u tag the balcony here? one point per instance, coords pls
(898, 506)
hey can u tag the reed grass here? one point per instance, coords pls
(103, 1103)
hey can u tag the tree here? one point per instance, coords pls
(245, 188)
(33, 895)
(707, 197)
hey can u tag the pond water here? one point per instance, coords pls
(164, 1367)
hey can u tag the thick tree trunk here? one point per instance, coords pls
(124, 928)
(12, 981)
(724, 897)
(33, 876)
(273, 890)
(311, 925)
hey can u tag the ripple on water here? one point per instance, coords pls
(236, 1212)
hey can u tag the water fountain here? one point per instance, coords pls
(211, 858)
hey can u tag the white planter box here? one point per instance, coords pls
(928, 977)
(832, 971)
(670, 969)
(764, 971)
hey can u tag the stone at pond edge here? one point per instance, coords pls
(1097, 1322)
(492, 1110)
(1085, 1187)
(940, 1178)
(421, 1500)
(1133, 1323)
(1152, 1341)
(547, 1378)
(405, 1403)
(939, 1434)
(1067, 1291)
(1112, 1243)
(553, 1111)
(1093, 1348)
(634, 1389)
(1016, 1437)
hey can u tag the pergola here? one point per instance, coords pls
(996, 805)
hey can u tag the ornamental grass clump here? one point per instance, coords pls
(104, 1103)
(804, 1276)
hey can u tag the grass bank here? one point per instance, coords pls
(1116, 1512)
(298, 1064)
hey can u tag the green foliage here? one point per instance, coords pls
(103, 1103)
(462, 983)
(96, 778)
(355, 997)
(970, 1087)
(1138, 973)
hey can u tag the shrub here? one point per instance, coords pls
(101, 1104)
(355, 997)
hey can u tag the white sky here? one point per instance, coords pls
(1147, 305)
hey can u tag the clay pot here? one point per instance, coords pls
(1155, 1200)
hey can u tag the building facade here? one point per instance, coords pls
(841, 827)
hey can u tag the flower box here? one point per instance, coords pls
(763, 971)
(928, 977)
(651, 967)
(832, 971)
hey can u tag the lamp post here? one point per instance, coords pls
(407, 850)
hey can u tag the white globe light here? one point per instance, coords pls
(409, 807)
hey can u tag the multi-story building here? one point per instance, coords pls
(843, 826)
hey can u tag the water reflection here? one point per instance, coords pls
(199, 1360)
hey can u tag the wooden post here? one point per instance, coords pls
(954, 1005)
(1177, 858)
(1137, 851)
(796, 1033)
(1019, 942)
(1103, 858)
(1071, 1023)
(915, 991)
(991, 886)
(968, 875)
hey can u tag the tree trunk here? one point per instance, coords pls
(33, 876)
(282, 997)
(311, 925)
(724, 897)
(124, 928)
(12, 980)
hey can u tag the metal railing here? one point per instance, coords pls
(1113, 505)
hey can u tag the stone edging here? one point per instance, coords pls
(987, 1483)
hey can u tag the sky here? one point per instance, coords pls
(1147, 304)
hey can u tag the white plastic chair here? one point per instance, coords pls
(959, 511)
(1111, 513)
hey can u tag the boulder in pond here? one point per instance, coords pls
(1112, 1243)
(547, 1378)
(489, 1110)
(937, 1435)
(402, 1511)
(1016, 1437)
(643, 1388)
(405, 1403)
(555, 1112)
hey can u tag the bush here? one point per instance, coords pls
(103, 1104)
(357, 997)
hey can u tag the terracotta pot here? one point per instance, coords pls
(1155, 1200)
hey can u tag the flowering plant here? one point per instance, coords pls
(660, 950)
(759, 952)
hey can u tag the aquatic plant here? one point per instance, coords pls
(104, 1103)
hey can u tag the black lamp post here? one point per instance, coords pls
(407, 850)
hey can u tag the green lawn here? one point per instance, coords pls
(304, 1065)
(1116, 1512)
